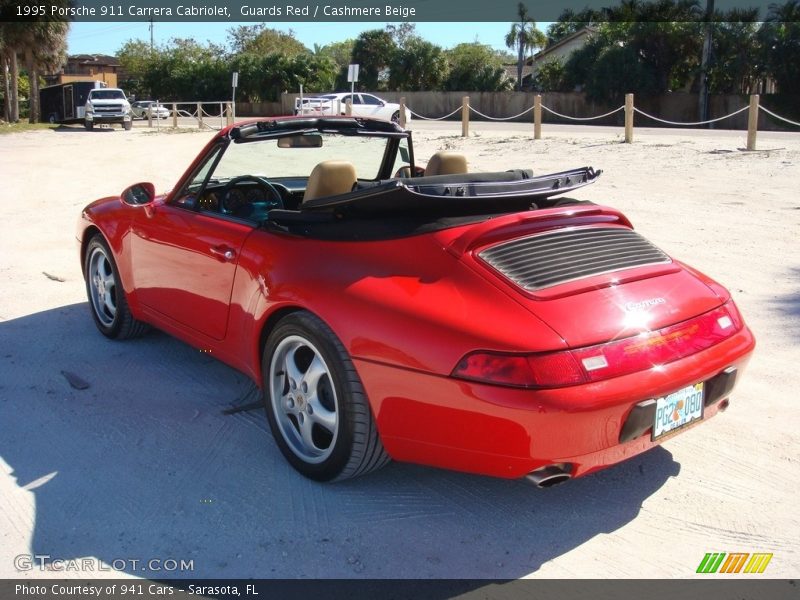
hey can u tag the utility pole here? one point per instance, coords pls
(706, 59)
(151, 35)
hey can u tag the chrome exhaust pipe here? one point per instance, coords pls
(551, 475)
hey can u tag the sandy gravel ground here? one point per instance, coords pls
(142, 465)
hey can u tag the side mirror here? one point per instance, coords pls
(139, 194)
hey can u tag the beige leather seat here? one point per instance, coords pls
(329, 178)
(446, 163)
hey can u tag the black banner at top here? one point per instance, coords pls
(317, 10)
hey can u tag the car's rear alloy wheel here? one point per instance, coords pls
(316, 405)
(106, 296)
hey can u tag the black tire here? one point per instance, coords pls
(127, 125)
(396, 117)
(89, 125)
(110, 313)
(352, 446)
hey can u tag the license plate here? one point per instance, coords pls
(678, 409)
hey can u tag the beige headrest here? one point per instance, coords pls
(329, 178)
(446, 163)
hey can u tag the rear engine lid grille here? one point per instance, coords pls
(541, 261)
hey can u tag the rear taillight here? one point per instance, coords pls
(556, 369)
(649, 350)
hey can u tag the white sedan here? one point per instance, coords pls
(140, 109)
(364, 105)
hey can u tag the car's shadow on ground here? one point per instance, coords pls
(81, 129)
(789, 304)
(143, 465)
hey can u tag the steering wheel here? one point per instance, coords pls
(274, 196)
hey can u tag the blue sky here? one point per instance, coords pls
(107, 38)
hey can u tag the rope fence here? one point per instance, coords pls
(206, 115)
(220, 114)
(641, 112)
(772, 114)
(432, 118)
(603, 116)
(752, 109)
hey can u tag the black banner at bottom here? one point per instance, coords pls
(399, 589)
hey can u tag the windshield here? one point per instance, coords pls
(107, 95)
(267, 159)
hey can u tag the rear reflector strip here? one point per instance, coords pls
(648, 350)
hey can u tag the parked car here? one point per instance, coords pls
(364, 105)
(481, 322)
(140, 109)
(107, 106)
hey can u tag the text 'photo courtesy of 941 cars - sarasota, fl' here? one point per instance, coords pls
(482, 322)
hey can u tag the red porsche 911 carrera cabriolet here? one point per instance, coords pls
(473, 321)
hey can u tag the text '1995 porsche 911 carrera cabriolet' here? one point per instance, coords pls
(481, 322)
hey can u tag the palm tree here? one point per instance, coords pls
(524, 36)
(45, 51)
(11, 39)
(43, 47)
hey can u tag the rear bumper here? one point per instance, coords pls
(506, 432)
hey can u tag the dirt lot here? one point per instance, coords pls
(143, 465)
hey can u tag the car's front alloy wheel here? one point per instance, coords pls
(107, 299)
(316, 405)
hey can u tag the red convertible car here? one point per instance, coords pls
(473, 321)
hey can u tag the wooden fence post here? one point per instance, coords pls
(628, 118)
(349, 107)
(228, 113)
(403, 112)
(175, 115)
(465, 116)
(199, 116)
(537, 117)
(752, 122)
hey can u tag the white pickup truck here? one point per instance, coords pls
(107, 105)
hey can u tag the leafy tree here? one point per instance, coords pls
(260, 39)
(476, 67)
(524, 36)
(137, 60)
(265, 77)
(735, 66)
(570, 22)
(373, 50)
(340, 53)
(655, 45)
(402, 32)
(551, 76)
(780, 37)
(418, 65)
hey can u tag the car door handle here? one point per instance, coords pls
(223, 252)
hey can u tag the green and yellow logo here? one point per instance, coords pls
(734, 562)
